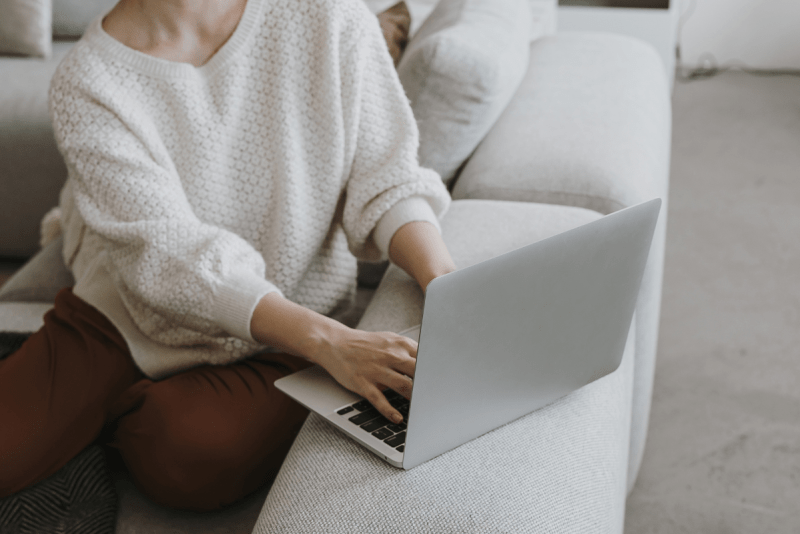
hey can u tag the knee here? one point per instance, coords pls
(196, 458)
(179, 465)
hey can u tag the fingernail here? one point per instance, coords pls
(397, 418)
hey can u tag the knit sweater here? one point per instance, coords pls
(195, 191)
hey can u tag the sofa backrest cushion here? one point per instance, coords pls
(459, 72)
(72, 17)
(25, 27)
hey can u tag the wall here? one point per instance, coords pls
(765, 34)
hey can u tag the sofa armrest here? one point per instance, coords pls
(590, 126)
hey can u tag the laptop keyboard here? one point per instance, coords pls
(363, 415)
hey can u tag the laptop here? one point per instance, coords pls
(501, 339)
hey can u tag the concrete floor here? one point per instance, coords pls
(723, 453)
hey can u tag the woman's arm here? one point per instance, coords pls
(418, 249)
(363, 362)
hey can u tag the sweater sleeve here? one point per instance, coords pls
(129, 195)
(386, 187)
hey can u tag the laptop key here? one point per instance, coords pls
(391, 394)
(362, 405)
(375, 424)
(401, 448)
(346, 409)
(363, 417)
(382, 433)
(398, 439)
(396, 428)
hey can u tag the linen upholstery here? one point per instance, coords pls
(459, 71)
(559, 469)
(589, 127)
(41, 278)
(31, 166)
(25, 27)
(72, 17)
(22, 316)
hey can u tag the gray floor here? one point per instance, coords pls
(723, 454)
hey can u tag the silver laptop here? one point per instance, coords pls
(503, 338)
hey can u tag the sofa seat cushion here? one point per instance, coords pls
(22, 316)
(559, 469)
(41, 278)
(589, 126)
(31, 167)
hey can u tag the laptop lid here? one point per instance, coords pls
(509, 335)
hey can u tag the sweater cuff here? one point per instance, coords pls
(407, 210)
(236, 301)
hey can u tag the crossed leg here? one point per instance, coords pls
(198, 440)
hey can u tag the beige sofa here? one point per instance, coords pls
(587, 132)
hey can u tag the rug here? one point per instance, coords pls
(78, 499)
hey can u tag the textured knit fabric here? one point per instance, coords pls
(193, 192)
(561, 469)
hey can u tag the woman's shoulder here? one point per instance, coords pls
(78, 70)
(83, 67)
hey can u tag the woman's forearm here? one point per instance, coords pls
(292, 328)
(418, 249)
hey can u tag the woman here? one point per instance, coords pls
(223, 157)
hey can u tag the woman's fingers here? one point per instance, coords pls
(368, 362)
(378, 400)
(410, 345)
(400, 383)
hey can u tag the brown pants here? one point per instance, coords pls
(198, 440)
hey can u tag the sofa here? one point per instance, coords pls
(583, 131)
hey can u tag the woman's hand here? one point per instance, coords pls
(363, 362)
(369, 362)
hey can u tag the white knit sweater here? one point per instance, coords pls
(193, 192)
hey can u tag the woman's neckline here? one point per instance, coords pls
(165, 68)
